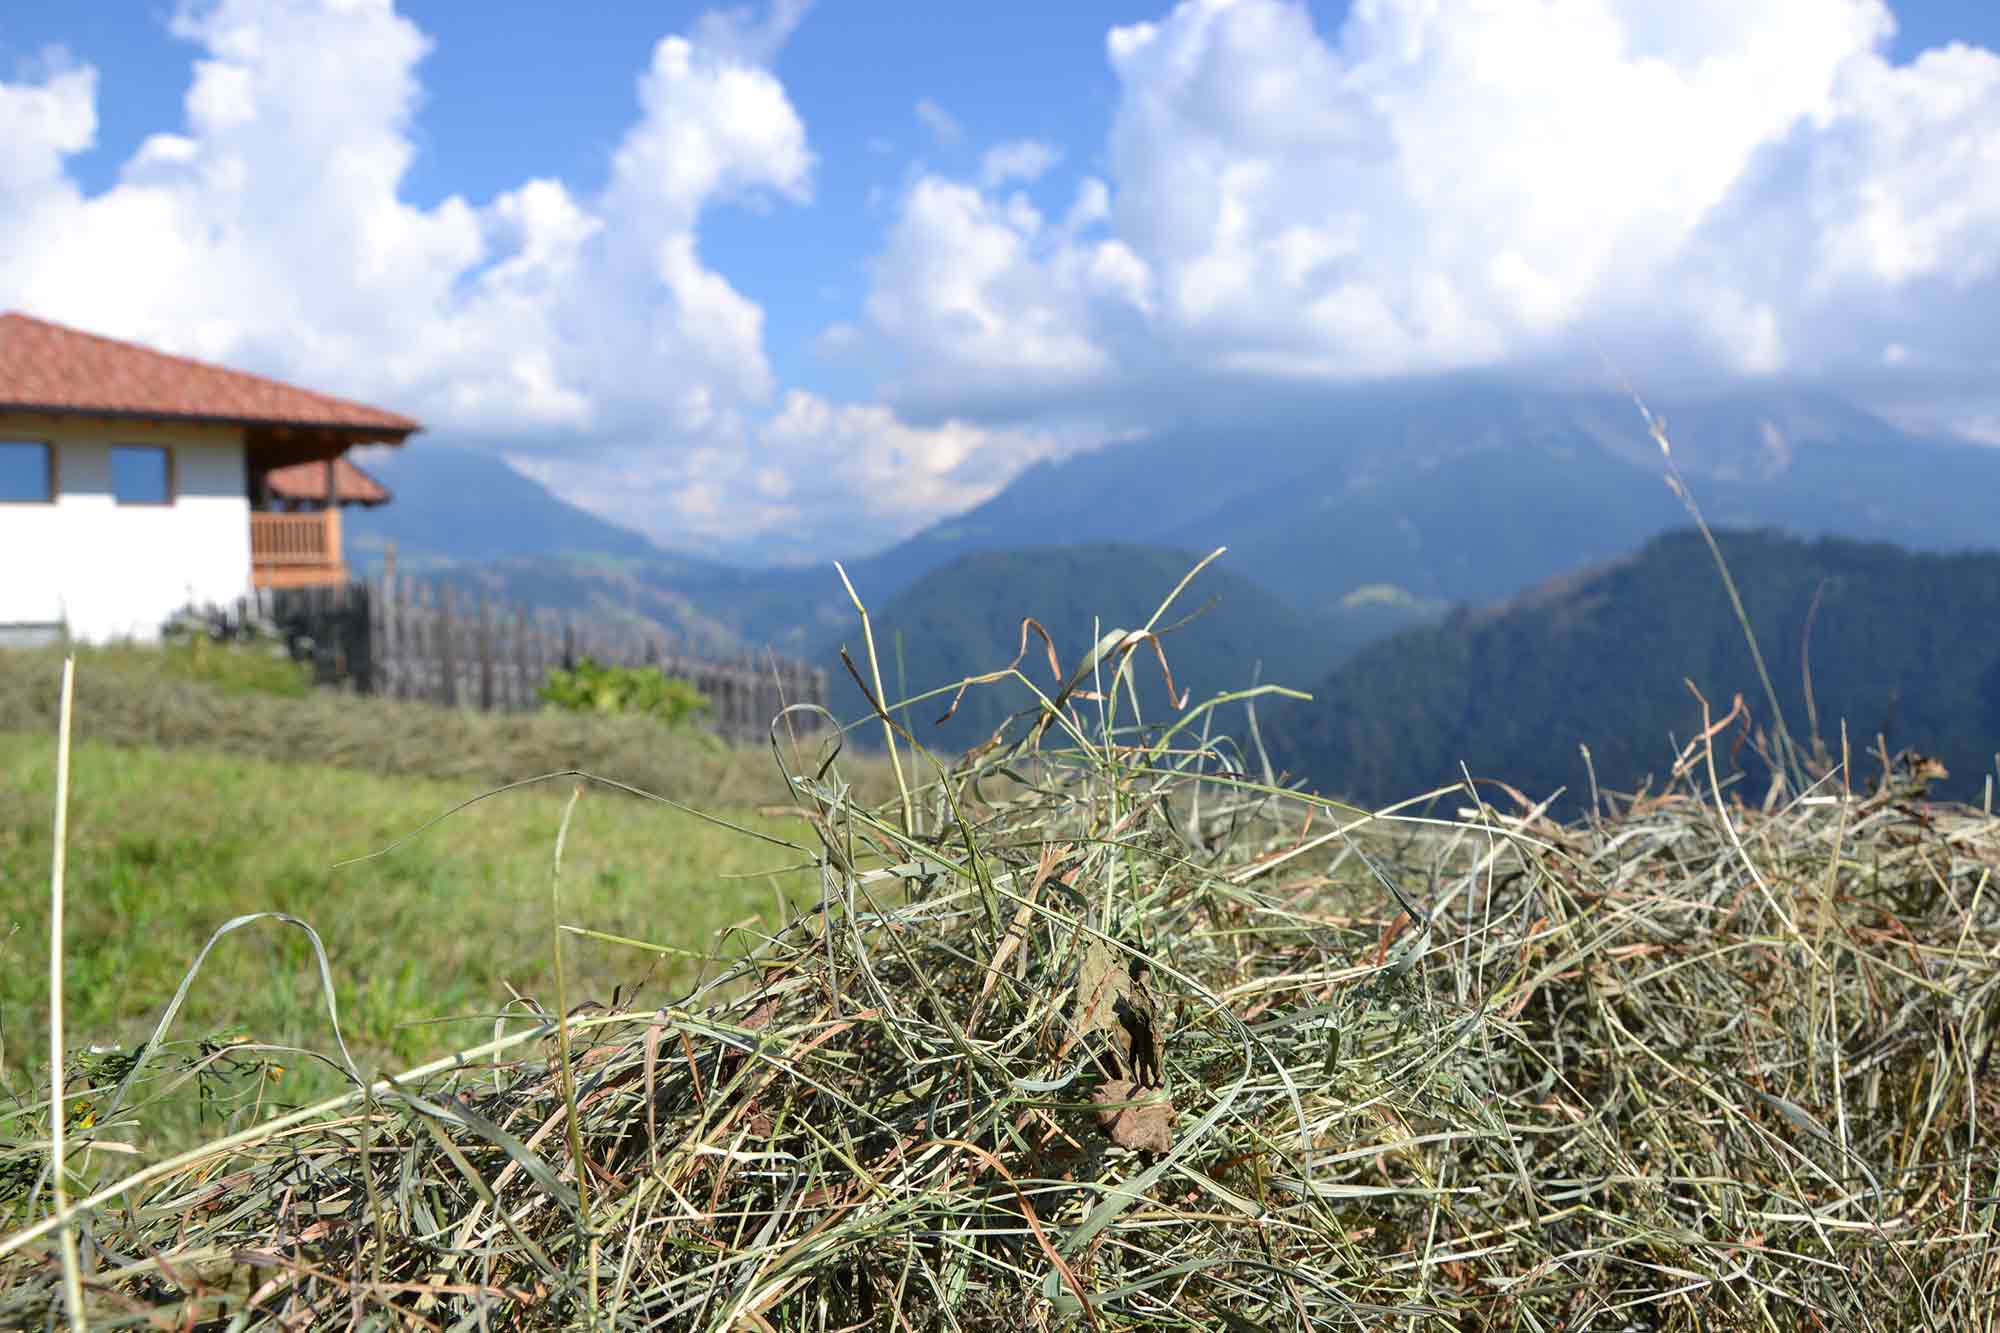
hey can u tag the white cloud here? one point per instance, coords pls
(1747, 188)
(837, 341)
(816, 477)
(1024, 160)
(983, 295)
(1984, 429)
(740, 37)
(42, 123)
(944, 127)
(270, 231)
(901, 475)
(1754, 189)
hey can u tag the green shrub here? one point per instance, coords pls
(245, 654)
(242, 667)
(619, 691)
(234, 668)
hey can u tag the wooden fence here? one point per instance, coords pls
(411, 640)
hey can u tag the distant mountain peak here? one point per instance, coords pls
(459, 503)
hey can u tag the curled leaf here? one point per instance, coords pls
(1135, 1117)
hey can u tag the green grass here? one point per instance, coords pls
(124, 696)
(166, 846)
(236, 668)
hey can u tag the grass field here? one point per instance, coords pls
(166, 845)
(231, 702)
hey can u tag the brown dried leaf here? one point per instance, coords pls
(1101, 982)
(1113, 997)
(1134, 1117)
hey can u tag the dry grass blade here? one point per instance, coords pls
(59, 1110)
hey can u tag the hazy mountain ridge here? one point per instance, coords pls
(1471, 492)
(965, 619)
(1461, 491)
(463, 504)
(1903, 644)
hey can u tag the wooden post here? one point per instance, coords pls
(409, 643)
(485, 655)
(524, 679)
(398, 646)
(371, 634)
(448, 657)
(333, 551)
(378, 637)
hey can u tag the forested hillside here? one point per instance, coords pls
(1901, 645)
(965, 619)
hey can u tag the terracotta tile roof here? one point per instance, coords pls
(307, 481)
(48, 368)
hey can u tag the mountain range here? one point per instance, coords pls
(1374, 512)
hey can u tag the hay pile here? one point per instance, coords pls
(1136, 1041)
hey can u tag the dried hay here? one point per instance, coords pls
(1114, 1036)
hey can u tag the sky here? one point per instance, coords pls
(779, 282)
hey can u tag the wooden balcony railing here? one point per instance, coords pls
(296, 550)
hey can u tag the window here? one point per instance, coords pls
(141, 474)
(27, 472)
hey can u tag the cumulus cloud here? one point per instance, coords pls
(1726, 188)
(1718, 187)
(271, 231)
(46, 121)
(584, 334)
(982, 292)
(814, 477)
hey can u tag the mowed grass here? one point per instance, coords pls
(165, 846)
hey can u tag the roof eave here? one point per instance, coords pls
(356, 432)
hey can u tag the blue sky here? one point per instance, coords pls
(793, 280)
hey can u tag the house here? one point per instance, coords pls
(133, 483)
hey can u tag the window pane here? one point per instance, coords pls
(139, 475)
(24, 471)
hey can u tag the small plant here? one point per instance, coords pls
(246, 655)
(621, 691)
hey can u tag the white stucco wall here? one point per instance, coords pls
(117, 571)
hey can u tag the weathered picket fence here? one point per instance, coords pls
(409, 639)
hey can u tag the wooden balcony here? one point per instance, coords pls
(296, 550)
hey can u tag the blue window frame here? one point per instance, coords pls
(27, 472)
(142, 474)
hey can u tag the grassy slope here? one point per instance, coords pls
(199, 794)
(165, 847)
(123, 697)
